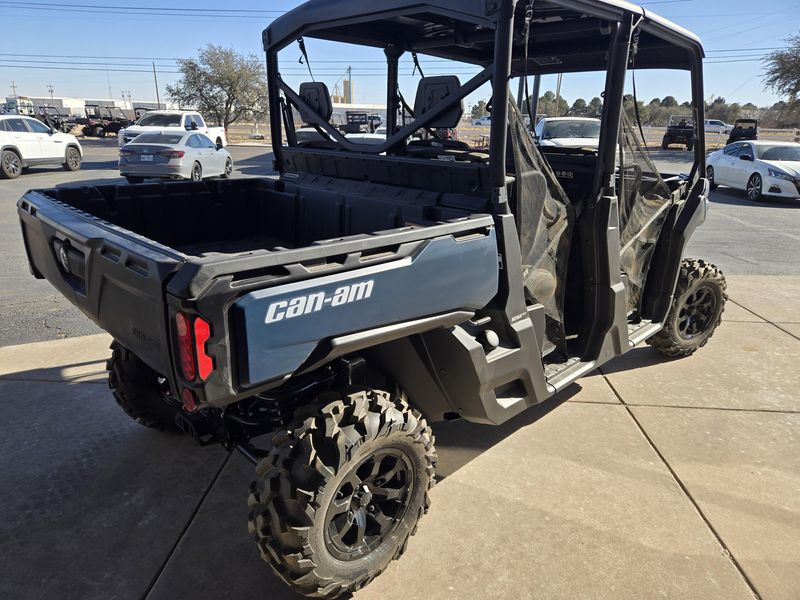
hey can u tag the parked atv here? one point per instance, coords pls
(102, 120)
(52, 117)
(320, 321)
(680, 130)
(743, 130)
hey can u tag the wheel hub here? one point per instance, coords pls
(369, 504)
(697, 314)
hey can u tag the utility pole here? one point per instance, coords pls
(14, 89)
(128, 94)
(50, 89)
(155, 79)
(558, 95)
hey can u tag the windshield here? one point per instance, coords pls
(162, 120)
(779, 153)
(157, 138)
(572, 129)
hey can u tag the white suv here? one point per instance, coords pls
(25, 142)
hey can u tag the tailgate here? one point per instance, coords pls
(113, 276)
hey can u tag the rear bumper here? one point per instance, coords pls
(145, 170)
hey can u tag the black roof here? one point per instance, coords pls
(566, 35)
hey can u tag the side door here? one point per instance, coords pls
(26, 141)
(201, 124)
(51, 146)
(744, 167)
(212, 161)
(723, 170)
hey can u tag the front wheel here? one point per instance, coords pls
(197, 172)
(696, 310)
(710, 176)
(228, 169)
(754, 187)
(141, 392)
(72, 159)
(341, 491)
(100, 132)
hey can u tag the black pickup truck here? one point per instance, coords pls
(317, 321)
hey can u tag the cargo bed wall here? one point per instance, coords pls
(251, 214)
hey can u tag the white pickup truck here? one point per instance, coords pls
(169, 121)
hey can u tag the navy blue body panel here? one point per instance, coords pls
(276, 329)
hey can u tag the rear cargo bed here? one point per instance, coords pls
(122, 254)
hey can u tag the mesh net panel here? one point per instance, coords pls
(643, 202)
(543, 215)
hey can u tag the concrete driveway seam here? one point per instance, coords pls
(186, 527)
(726, 551)
(776, 325)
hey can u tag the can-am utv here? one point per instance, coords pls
(743, 130)
(375, 287)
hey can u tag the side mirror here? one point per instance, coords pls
(219, 146)
(746, 157)
(194, 126)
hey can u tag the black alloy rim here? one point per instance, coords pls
(710, 174)
(228, 167)
(369, 505)
(697, 314)
(11, 163)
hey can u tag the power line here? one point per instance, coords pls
(128, 8)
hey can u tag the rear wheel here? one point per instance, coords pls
(72, 159)
(10, 164)
(710, 177)
(99, 132)
(197, 172)
(690, 146)
(696, 310)
(134, 179)
(341, 491)
(754, 187)
(664, 145)
(141, 392)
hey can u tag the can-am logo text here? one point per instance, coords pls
(312, 303)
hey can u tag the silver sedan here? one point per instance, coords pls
(173, 156)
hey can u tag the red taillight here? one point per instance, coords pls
(205, 364)
(189, 400)
(172, 153)
(184, 330)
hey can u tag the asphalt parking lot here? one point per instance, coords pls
(649, 479)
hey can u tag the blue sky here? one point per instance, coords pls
(44, 43)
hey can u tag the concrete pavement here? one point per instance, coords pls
(650, 479)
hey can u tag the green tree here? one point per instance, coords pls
(479, 110)
(782, 70)
(579, 108)
(669, 102)
(222, 84)
(595, 107)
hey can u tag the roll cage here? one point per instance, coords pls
(566, 36)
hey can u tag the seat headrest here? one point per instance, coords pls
(430, 91)
(317, 96)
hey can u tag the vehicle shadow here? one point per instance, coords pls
(259, 165)
(734, 197)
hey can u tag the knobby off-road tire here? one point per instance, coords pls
(139, 391)
(696, 309)
(341, 491)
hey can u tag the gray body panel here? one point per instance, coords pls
(276, 342)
